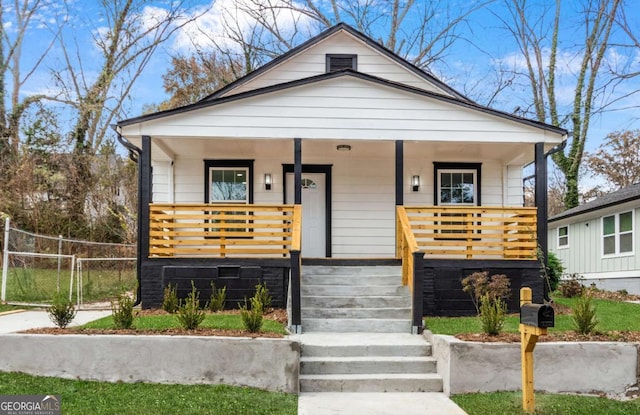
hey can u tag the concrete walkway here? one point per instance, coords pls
(13, 322)
(334, 403)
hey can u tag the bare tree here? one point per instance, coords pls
(133, 32)
(17, 18)
(537, 30)
(617, 159)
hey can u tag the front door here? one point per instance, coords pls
(314, 215)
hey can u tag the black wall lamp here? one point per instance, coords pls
(415, 183)
(267, 181)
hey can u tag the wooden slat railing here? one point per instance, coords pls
(223, 230)
(406, 246)
(474, 232)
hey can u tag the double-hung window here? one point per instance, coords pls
(456, 184)
(617, 234)
(563, 237)
(228, 182)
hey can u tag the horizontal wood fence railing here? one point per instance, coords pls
(406, 246)
(474, 232)
(224, 230)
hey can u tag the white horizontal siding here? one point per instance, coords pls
(312, 62)
(514, 190)
(160, 180)
(342, 108)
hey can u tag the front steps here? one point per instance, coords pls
(354, 299)
(357, 323)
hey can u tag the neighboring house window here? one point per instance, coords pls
(337, 62)
(563, 237)
(456, 184)
(617, 234)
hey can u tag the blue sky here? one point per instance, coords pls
(468, 66)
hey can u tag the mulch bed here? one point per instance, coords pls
(276, 314)
(569, 336)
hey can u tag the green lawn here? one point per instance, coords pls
(8, 307)
(613, 315)
(83, 397)
(37, 285)
(161, 322)
(510, 403)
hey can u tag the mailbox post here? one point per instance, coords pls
(534, 321)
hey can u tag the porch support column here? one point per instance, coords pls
(399, 172)
(144, 199)
(541, 204)
(296, 264)
(297, 171)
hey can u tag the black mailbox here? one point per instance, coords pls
(537, 315)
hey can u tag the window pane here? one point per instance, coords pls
(456, 196)
(626, 242)
(467, 178)
(445, 196)
(456, 179)
(467, 193)
(229, 185)
(563, 241)
(609, 245)
(608, 225)
(445, 179)
(563, 231)
(626, 223)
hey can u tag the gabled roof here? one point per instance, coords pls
(618, 197)
(336, 74)
(327, 33)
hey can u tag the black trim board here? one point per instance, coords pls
(399, 172)
(208, 164)
(314, 168)
(337, 74)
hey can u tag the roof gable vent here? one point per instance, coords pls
(337, 62)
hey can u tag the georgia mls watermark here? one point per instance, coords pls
(29, 404)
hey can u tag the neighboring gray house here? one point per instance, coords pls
(599, 240)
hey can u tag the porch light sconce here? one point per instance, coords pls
(415, 183)
(267, 181)
(343, 147)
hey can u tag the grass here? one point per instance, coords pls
(613, 315)
(8, 307)
(161, 322)
(87, 397)
(510, 403)
(37, 285)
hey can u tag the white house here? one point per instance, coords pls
(370, 151)
(599, 240)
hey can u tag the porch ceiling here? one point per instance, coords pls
(509, 153)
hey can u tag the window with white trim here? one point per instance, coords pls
(456, 184)
(617, 234)
(563, 237)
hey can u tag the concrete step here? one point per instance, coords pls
(346, 301)
(311, 350)
(367, 364)
(351, 270)
(380, 312)
(354, 290)
(358, 279)
(425, 382)
(347, 325)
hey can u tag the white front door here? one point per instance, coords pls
(314, 232)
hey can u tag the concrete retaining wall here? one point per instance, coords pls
(585, 367)
(271, 364)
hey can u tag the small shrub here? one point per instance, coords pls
(170, 302)
(218, 298)
(122, 312)
(479, 285)
(585, 318)
(62, 311)
(252, 318)
(554, 271)
(263, 297)
(572, 287)
(190, 316)
(492, 315)
(623, 292)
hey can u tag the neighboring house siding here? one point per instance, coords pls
(583, 256)
(312, 63)
(343, 108)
